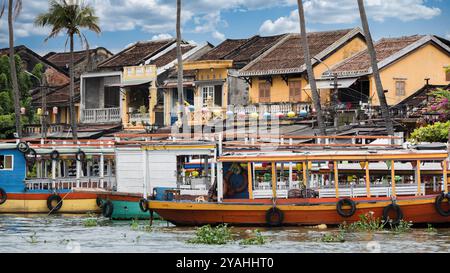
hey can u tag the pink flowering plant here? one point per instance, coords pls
(439, 104)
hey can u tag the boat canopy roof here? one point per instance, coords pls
(334, 155)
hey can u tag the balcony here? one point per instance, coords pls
(101, 115)
(36, 129)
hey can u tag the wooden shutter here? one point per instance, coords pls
(447, 75)
(295, 90)
(218, 95)
(264, 92)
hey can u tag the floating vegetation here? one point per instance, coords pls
(333, 237)
(134, 224)
(208, 235)
(32, 239)
(367, 222)
(401, 227)
(92, 221)
(256, 239)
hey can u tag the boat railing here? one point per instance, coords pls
(70, 183)
(375, 190)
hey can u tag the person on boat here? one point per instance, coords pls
(235, 184)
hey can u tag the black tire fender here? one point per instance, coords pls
(54, 155)
(3, 196)
(50, 200)
(270, 213)
(438, 204)
(107, 209)
(345, 213)
(23, 147)
(99, 202)
(80, 156)
(398, 213)
(143, 205)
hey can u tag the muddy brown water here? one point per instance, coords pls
(68, 234)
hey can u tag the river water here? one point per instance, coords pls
(69, 234)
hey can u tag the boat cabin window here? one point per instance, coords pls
(193, 172)
(6, 162)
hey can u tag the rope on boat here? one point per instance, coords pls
(62, 199)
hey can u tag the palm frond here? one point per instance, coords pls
(2, 9)
(17, 8)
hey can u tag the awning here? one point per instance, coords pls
(329, 84)
(130, 83)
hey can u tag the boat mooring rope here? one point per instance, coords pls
(62, 199)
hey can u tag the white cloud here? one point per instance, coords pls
(151, 16)
(162, 36)
(218, 35)
(346, 11)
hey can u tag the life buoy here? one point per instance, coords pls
(274, 213)
(54, 198)
(54, 155)
(438, 204)
(143, 205)
(346, 213)
(398, 214)
(80, 156)
(99, 202)
(23, 147)
(3, 196)
(108, 208)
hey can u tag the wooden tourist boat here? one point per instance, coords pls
(296, 185)
(54, 177)
(149, 167)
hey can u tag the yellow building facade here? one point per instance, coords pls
(285, 89)
(404, 77)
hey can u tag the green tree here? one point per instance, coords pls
(70, 17)
(7, 115)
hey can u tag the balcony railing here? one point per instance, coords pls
(101, 115)
(138, 118)
(36, 129)
(271, 108)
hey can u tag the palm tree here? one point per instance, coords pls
(180, 63)
(309, 69)
(12, 15)
(69, 17)
(376, 73)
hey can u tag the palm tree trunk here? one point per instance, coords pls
(12, 65)
(73, 118)
(180, 63)
(309, 69)
(376, 73)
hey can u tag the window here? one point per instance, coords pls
(264, 92)
(447, 74)
(6, 162)
(207, 95)
(400, 88)
(295, 90)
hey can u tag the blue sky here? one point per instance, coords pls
(127, 21)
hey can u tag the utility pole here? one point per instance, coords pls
(335, 100)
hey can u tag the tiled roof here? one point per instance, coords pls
(385, 48)
(241, 51)
(136, 54)
(223, 49)
(58, 96)
(170, 56)
(287, 56)
(62, 59)
(253, 48)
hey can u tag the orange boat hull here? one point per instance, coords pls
(296, 212)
